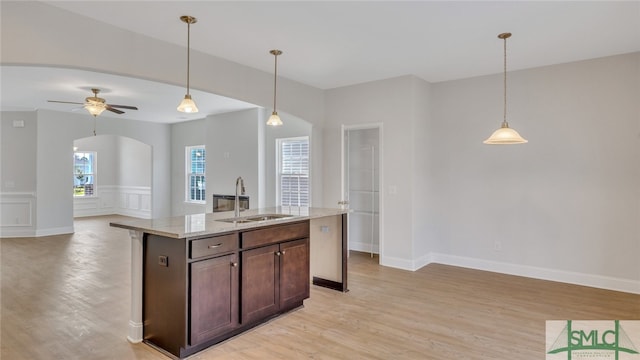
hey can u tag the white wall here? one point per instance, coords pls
(390, 103)
(17, 173)
(53, 140)
(106, 157)
(238, 144)
(134, 162)
(45, 40)
(564, 206)
(123, 177)
(425, 211)
(293, 127)
(232, 151)
(189, 133)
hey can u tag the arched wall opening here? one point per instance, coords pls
(120, 181)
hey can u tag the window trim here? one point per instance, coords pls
(279, 142)
(188, 174)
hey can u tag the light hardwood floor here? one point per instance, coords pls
(67, 297)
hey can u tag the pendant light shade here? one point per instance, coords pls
(274, 119)
(505, 135)
(187, 105)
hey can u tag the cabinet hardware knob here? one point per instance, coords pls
(215, 246)
(278, 253)
(284, 251)
(234, 264)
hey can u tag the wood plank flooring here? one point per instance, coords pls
(67, 297)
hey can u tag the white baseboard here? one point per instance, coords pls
(16, 232)
(591, 280)
(54, 231)
(364, 247)
(398, 263)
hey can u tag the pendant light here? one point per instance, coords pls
(187, 105)
(274, 119)
(505, 135)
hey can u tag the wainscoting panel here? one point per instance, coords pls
(119, 200)
(17, 214)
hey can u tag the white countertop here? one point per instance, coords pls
(208, 224)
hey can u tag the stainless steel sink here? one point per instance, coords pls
(255, 218)
(265, 217)
(235, 220)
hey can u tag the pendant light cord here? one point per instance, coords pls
(275, 80)
(504, 121)
(188, 52)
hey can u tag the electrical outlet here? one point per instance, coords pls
(324, 229)
(163, 260)
(497, 245)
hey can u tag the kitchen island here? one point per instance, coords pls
(199, 279)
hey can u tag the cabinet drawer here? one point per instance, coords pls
(274, 234)
(213, 245)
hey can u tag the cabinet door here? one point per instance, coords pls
(260, 283)
(214, 297)
(294, 272)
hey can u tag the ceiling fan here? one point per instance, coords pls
(96, 105)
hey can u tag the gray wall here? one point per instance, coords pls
(294, 127)
(563, 207)
(134, 162)
(392, 104)
(566, 203)
(232, 151)
(121, 161)
(232, 143)
(44, 42)
(567, 200)
(106, 154)
(18, 152)
(189, 133)
(54, 139)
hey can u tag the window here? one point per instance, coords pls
(196, 164)
(293, 171)
(84, 174)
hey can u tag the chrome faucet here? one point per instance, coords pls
(236, 205)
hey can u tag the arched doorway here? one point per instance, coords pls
(112, 175)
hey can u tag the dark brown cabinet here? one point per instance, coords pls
(214, 297)
(200, 291)
(260, 283)
(274, 278)
(294, 273)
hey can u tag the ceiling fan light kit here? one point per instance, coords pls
(187, 105)
(96, 105)
(505, 135)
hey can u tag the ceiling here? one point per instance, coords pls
(329, 44)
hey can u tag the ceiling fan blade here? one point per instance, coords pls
(108, 107)
(123, 106)
(65, 102)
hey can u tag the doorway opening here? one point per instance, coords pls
(361, 184)
(111, 176)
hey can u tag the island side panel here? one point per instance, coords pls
(328, 258)
(165, 292)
